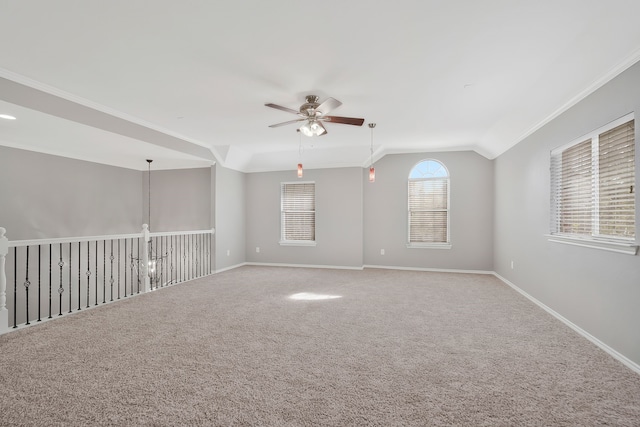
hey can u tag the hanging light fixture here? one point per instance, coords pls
(299, 154)
(153, 261)
(372, 171)
(152, 258)
(149, 193)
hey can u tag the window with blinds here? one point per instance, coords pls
(593, 184)
(428, 190)
(298, 212)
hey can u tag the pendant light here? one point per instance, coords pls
(152, 258)
(149, 192)
(299, 154)
(372, 171)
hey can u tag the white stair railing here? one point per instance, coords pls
(72, 274)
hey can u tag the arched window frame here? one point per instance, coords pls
(429, 172)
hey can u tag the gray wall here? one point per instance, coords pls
(180, 199)
(229, 216)
(598, 291)
(45, 196)
(338, 218)
(471, 210)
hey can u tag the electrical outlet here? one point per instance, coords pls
(381, 251)
(228, 252)
(512, 265)
(258, 249)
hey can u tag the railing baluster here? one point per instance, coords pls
(39, 280)
(125, 268)
(104, 271)
(88, 273)
(15, 287)
(79, 275)
(184, 258)
(162, 261)
(26, 286)
(96, 277)
(139, 265)
(70, 258)
(60, 288)
(132, 267)
(50, 276)
(193, 256)
(171, 260)
(111, 280)
(118, 268)
(197, 246)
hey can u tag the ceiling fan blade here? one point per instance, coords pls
(328, 105)
(277, 125)
(280, 107)
(343, 120)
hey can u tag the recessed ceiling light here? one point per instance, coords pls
(7, 117)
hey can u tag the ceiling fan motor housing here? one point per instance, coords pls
(309, 107)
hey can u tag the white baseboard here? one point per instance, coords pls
(344, 267)
(230, 267)
(435, 270)
(335, 267)
(621, 358)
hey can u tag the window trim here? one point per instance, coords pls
(612, 244)
(629, 248)
(429, 245)
(284, 242)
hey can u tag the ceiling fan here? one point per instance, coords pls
(314, 113)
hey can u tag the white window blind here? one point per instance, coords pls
(298, 210)
(616, 186)
(428, 190)
(593, 184)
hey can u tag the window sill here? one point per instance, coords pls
(429, 245)
(629, 248)
(297, 243)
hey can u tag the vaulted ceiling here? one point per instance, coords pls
(185, 83)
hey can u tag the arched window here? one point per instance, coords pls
(428, 188)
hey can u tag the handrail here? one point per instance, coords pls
(56, 240)
(181, 233)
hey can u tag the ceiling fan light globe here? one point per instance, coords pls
(306, 130)
(312, 128)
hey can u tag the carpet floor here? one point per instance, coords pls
(397, 348)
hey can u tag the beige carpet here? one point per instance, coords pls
(399, 348)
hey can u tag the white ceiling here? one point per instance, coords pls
(185, 82)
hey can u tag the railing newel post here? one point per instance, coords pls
(4, 313)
